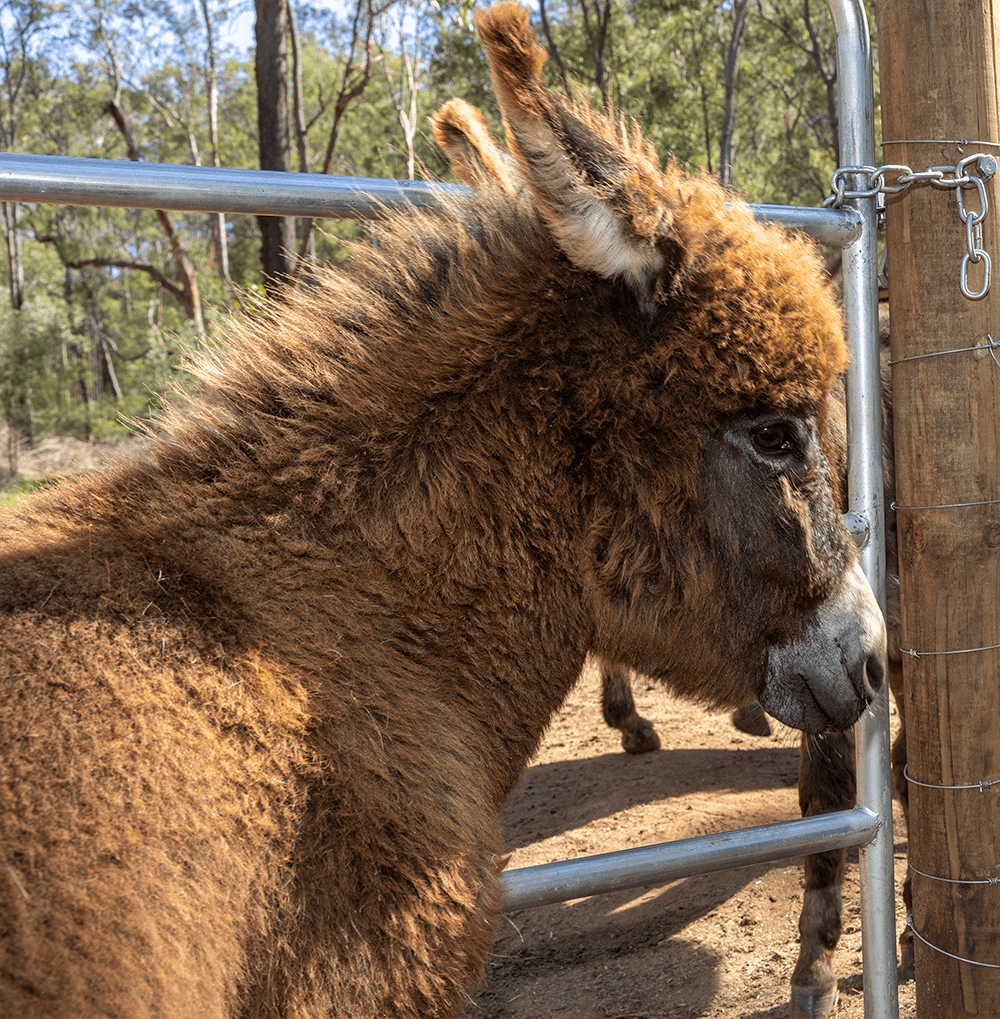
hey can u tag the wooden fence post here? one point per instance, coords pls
(939, 83)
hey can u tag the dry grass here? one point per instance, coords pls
(50, 458)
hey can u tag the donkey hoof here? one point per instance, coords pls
(752, 720)
(642, 739)
(905, 960)
(813, 1003)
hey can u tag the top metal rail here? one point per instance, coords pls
(64, 180)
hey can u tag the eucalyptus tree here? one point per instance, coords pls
(121, 86)
(273, 134)
(26, 37)
(212, 109)
(338, 57)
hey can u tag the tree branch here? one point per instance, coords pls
(114, 263)
(552, 47)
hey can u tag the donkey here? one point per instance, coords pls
(826, 775)
(265, 687)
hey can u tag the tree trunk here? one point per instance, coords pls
(15, 257)
(553, 49)
(307, 249)
(727, 141)
(109, 377)
(191, 299)
(217, 219)
(939, 80)
(355, 79)
(404, 100)
(186, 273)
(271, 66)
(11, 444)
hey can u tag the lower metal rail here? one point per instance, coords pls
(633, 868)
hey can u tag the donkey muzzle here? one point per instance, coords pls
(825, 678)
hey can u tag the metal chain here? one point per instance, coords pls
(974, 234)
(960, 177)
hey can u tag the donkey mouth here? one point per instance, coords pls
(811, 701)
(807, 713)
(826, 677)
(815, 694)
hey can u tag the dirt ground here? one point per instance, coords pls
(719, 945)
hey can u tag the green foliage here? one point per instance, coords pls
(30, 340)
(106, 283)
(16, 488)
(100, 421)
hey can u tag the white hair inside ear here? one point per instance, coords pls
(594, 238)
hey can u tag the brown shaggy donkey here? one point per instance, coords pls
(263, 690)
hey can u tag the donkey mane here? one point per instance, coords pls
(467, 303)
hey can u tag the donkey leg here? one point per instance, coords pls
(899, 780)
(638, 734)
(903, 792)
(752, 720)
(826, 783)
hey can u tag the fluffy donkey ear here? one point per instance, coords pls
(461, 130)
(599, 185)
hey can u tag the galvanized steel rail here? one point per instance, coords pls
(65, 180)
(632, 868)
(68, 181)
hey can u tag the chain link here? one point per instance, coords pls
(960, 177)
(974, 232)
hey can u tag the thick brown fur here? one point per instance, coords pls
(264, 689)
(827, 776)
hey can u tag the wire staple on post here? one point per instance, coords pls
(959, 143)
(914, 653)
(957, 881)
(946, 505)
(991, 345)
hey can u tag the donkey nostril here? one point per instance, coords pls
(874, 675)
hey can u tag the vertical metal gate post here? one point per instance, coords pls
(856, 114)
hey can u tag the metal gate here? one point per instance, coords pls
(69, 181)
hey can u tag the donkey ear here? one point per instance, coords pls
(599, 186)
(461, 130)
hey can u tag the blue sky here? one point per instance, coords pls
(238, 29)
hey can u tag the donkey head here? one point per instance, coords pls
(716, 556)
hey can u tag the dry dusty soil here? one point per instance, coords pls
(719, 945)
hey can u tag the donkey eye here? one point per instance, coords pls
(775, 439)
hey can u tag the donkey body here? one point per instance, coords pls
(264, 689)
(827, 771)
